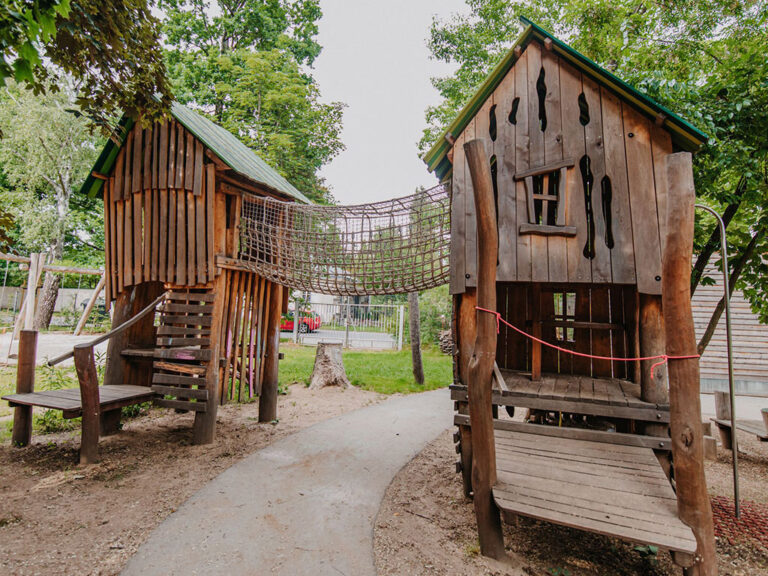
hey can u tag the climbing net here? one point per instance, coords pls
(392, 247)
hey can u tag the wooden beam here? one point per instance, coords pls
(268, 397)
(85, 366)
(89, 307)
(484, 356)
(693, 503)
(25, 384)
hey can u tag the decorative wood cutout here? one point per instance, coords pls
(513, 111)
(546, 193)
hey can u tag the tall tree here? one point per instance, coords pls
(45, 154)
(111, 47)
(244, 63)
(702, 59)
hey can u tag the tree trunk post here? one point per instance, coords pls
(25, 383)
(693, 503)
(85, 365)
(653, 387)
(466, 328)
(414, 328)
(33, 277)
(268, 397)
(484, 356)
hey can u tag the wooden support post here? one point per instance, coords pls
(693, 503)
(35, 268)
(85, 365)
(723, 412)
(268, 397)
(204, 428)
(484, 356)
(536, 329)
(89, 307)
(25, 383)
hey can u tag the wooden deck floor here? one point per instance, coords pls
(69, 402)
(618, 491)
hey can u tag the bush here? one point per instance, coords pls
(435, 313)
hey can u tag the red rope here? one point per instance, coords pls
(661, 357)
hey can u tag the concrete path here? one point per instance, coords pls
(305, 505)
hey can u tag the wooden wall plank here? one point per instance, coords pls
(623, 253)
(162, 244)
(642, 199)
(593, 132)
(172, 212)
(128, 256)
(581, 336)
(146, 165)
(189, 161)
(137, 158)
(127, 178)
(181, 237)
(147, 236)
(108, 243)
(155, 154)
(601, 339)
(505, 155)
(162, 155)
(191, 229)
(458, 220)
(117, 189)
(470, 227)
(553, 152)
(180, 155)
(210, 216)
(197, 186)
(138, 228)
(120, 236)
(539, 251)
(156, 247)
(661, 146)
(171, 164)
(522, 162)
(200, 238)
(579, 269)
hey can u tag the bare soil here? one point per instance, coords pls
(59, 518)
(426, 527)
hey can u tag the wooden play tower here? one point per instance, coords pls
(572, 216)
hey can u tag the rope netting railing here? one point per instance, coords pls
(392, 247)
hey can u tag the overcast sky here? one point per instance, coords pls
(375, 59)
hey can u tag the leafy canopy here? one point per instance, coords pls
(704, 59)
(111, 48)
(242, 62)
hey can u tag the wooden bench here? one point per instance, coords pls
(722, 420)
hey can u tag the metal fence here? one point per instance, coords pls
(373, 326)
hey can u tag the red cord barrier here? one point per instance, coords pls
(661, 357)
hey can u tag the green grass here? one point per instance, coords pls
(384, 372)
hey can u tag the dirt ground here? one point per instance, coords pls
(426, 527)
(59, 518)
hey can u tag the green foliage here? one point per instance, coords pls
(111, 47)
(45, 154)
(243, 67)
(435, 313)
(382, 372)
(705, 60)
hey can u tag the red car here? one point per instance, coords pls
(309, 322)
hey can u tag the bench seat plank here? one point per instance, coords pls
(68, 399)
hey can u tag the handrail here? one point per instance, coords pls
(127, 324)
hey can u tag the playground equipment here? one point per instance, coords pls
(571, 234)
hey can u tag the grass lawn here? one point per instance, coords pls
(386, 372)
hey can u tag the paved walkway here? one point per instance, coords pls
(305, 505)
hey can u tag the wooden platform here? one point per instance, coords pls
(69, 402)
(618, 491)
(755, 427)
(607, 397)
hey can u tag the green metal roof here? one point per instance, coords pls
(224, 144)
(685, 135)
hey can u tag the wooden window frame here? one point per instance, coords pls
(532, 226)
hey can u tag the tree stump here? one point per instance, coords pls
(329, 367)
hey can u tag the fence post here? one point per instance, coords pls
(400, 324)
(25, 383)
(346, 324)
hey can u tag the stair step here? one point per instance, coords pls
(196, 393)
(181, 405)
(191, 296)
(181, 368)
(183, 341)
(177, 380)
(186, 331)
(169, 353)
(170, 307)
(186, 320)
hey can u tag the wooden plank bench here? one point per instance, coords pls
(615, 490)
(70, 403)
(723, 422)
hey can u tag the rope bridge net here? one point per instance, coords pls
(392, 247)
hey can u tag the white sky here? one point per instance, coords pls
(375, 59)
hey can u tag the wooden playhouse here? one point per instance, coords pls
(191, 328)
(577, 168)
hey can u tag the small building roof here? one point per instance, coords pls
(684, 134)
(221, 142)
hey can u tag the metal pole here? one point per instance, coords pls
(731, 387)
(400, 320)
(295, 321)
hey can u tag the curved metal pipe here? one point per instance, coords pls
(727, 299)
